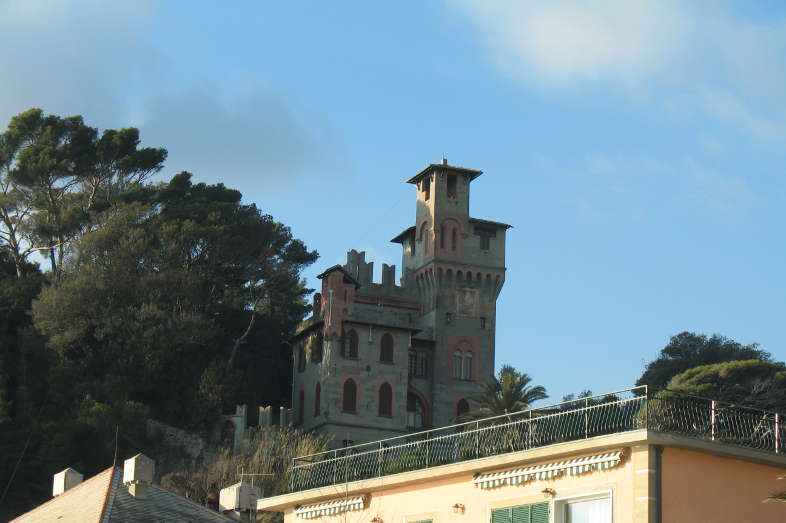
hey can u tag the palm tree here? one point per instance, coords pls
(507, 393)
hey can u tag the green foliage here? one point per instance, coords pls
(510, 391)
(56, 174)
(687, 350)
(752, 383)
(170, 300)
(270, 452)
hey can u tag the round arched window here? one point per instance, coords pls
(416, 412)
(386, 349)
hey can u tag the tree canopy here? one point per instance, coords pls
(510, 391)
(172, 300)
(687, 350)
(752, 383)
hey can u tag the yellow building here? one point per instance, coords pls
(620, 458)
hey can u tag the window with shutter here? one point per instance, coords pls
(501, 515)
(532, 513)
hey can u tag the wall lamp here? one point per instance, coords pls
(459, 508)
(448, 317)
(376, 519)
(549, 492)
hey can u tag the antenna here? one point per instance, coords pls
(117, 431)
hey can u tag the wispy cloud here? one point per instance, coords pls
(699, 55)
(636, 187)
(96, 59)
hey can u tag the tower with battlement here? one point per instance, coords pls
(382, 359)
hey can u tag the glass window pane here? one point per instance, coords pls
(591, 511)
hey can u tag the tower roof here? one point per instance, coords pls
(473, 173)
(348, 278)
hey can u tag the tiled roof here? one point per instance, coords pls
(83, 503)
(104, 499)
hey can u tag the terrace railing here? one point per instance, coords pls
(612, 413)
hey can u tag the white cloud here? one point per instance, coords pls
(699, 55)
(98, 59)
(634, 186)
(70, 57)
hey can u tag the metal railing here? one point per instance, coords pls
(611, 413)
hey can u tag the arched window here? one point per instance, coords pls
(301, 357)
(461, 408)
(416, 412)
(385, 400)
(467, 371)
(453, 234)
(317, 399)
(442, 233)
(351, 345)
(301, 407)
(458, 358)
(317, 348)
(349, 400)
(386, 348)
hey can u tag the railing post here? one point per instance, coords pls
(335, 466)
(713, 419)
(529, 430)
(379, 460)
(777, 433)
(477, 439)
(427, 449)
(586, 418)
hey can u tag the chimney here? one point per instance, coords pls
(240, 499)
(64, 480)
(444, 161)
(138, 475)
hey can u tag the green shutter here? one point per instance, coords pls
(534, 513)
(520, 514)
(501, 515)
(540, 513)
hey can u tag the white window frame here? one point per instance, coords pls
(558, 515)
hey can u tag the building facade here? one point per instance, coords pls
(625, 457)
(388, 358)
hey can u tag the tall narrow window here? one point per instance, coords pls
(453, 233)
(443, 232)
(451, 186)
(423, 365)
(386, 349)
(427, 187)
(457, 363)
(349, 400)
(413, 363)
(301, 406)
(351, 341)
(317, 399)
(416, 412)
(385, 400)
(317, 348)
(467, 371)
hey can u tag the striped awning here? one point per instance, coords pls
(571, 467)
(331, 507)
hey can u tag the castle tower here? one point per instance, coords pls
(381, 359)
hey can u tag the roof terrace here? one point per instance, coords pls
(612, 413)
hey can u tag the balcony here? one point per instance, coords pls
(612, 413)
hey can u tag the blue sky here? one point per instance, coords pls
(638, 147)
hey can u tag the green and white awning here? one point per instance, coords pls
(331, 507)
(571, 467)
